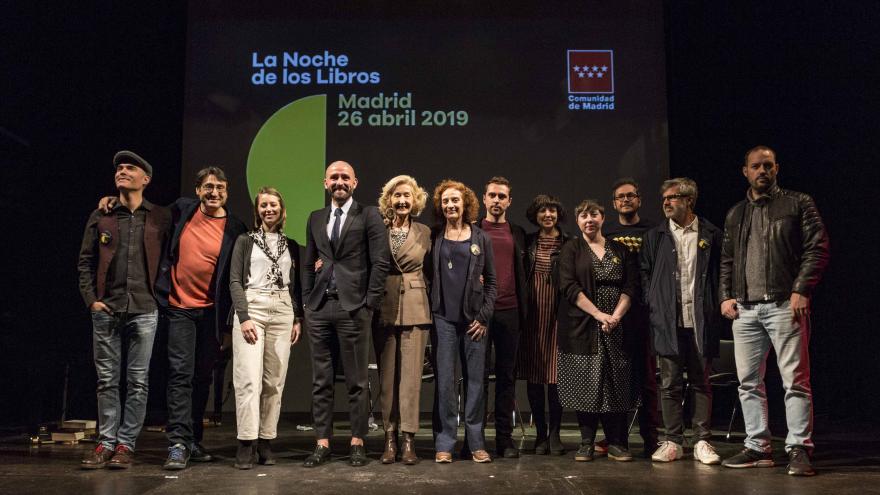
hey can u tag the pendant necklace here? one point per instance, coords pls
(458, 238)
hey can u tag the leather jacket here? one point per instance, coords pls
(796, 248)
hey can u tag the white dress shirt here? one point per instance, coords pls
(345, 208)
(686, 239)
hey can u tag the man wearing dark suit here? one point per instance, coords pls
(351, 243)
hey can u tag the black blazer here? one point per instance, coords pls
(182, 212)
(576, 334)
(479, 298)
(360, 261)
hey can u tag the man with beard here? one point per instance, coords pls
(508, 246)
(679, 262)
(352, 244)
(774, 252)
(629, 229)
(193, 288)
(118, 265)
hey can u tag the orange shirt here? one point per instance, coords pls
(199, 249)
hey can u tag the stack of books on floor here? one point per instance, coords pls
(74, 430)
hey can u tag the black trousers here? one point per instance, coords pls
(613, 423)
(338, 337)
(504, 334)
(672, 370)
(193, 350)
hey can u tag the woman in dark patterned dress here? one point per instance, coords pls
(598, 280)
(537, 351)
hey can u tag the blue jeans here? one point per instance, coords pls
(118, 425)
(758, 327)
(449, 339)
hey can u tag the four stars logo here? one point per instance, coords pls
(591, 71)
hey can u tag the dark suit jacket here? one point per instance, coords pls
(479, 298)
(182, 212)
(576, 334)
(360, 259)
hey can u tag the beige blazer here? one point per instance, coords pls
(406, 292)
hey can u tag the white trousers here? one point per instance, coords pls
(260, 369)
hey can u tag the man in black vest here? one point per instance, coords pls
(351, 243)
(118, 264)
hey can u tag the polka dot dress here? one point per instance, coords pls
(601, 382)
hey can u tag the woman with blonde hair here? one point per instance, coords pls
(402, 327)
(267, 298)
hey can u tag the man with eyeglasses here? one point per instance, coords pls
(193, 288)
(774, 251)
(628, 228)
(679, 262)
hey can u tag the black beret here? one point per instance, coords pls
(133, 158)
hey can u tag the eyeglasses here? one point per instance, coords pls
(220, 188)
(673, 197)
(627, 196)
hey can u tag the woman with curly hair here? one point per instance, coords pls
(537, 350)
(462, 300)
(403, 324)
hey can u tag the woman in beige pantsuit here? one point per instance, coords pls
(402, 325)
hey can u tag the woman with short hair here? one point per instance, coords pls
(537, 350)
(598, 279)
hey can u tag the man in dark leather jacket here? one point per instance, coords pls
(774, 251)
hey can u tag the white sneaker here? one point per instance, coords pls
(667, 452)
(705, 453)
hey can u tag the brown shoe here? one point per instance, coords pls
(390, 453)
(481, 456)
(443, 457)
(408, 455)
(123, 458)
(97, 458)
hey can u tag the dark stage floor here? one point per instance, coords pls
(847, 459)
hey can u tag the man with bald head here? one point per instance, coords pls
(349, 243)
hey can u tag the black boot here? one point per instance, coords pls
(555, 424)
(264, 452)
(246, 454)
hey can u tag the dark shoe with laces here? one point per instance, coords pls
(264, 452)
(748, 458)
(585, 452)
(799, 463)
(318, 457)
(358, 456)
(97, 458)
(199, 454)
(178, 457)
(123, 458)
(246, 455)
(619, 453)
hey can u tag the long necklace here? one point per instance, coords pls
(457, 239)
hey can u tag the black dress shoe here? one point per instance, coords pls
(199, 454)
(318, 457)
(358, 456)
